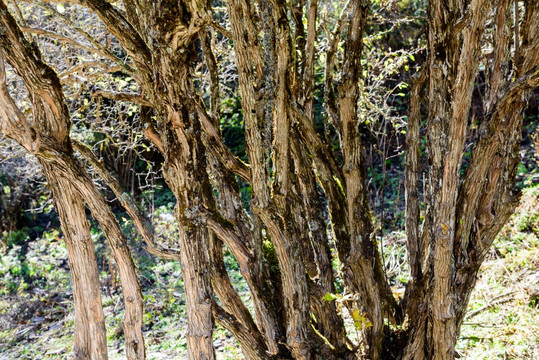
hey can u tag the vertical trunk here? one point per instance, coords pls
(184, 170)
(194, 258)
(415, 247)
(248, 251)
(90, 333)
(415, 242)
(329, 322)
(196, 273)
(186, 173)
(132, 294)
(308, 75)
(464, 214)
(440, 329)
(277, 217)
(359, 263)
(291, 261)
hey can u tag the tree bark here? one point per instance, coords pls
(90, 333)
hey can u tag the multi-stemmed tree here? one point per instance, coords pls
(307, 197)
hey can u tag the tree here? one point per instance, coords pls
(281, 240)
(46, 135)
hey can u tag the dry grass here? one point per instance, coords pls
(503, 315)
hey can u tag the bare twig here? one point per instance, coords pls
(142, 224)
(134, 98)
(497, 300)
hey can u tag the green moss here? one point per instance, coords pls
(271, 257)
(339, 185)
(227, 224)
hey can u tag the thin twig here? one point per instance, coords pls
(491, 303)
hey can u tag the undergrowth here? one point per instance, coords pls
(37, 314)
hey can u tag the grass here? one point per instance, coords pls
(503, 314)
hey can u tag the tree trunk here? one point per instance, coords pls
(117, 242)
(90, 333)
(46, 136)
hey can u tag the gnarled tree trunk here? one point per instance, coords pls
(46, 136)
(297, 174)
(90, 333)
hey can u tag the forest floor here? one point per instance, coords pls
(36, 311)
(503, 314)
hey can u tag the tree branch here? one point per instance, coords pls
(99, 51)
(240, 332)
(415, 247)
(525, 82)
(213, 69)
(221, 29)
(231, 162)
(228, 295)
(143, 225)
(12, 120)
(50, 110)
(319, 150)
(118, 96)
(118, 25)
(226, 233)
(103, 50)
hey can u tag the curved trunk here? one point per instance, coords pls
(117, 242)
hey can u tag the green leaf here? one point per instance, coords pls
(330, 297)
(360, 321)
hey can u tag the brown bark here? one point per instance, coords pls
(90, 333)
(359, 262)
(450, 83)
(238, 320)
(330, 324)
(462, 219)
(415, 247)
(117, 242)
(244, 246)
(292, 262)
